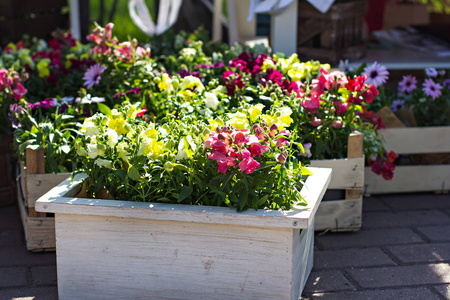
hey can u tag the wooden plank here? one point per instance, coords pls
(347, 173)
(40, 234)
(298, 217)
(355, 149)
(414, 140)
(109, 257)
(39, 184)
(407, 179)
(35, 160)
(339, 215)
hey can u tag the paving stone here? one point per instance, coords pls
(404, 218)
(327, 281)
(436, 233)
(424, 253)
(368, 238)
(11, 277)
(10, 217)
(34, 293)
(21, 256)
(43, 275)
(349, 258)
(443, 290)
(374, 204)
(410, 294)
(402, 276)
(11, 237)
(417, 201)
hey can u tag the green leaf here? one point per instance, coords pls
(133, 173)
(305, 171)
(104, 109)
(185, 192)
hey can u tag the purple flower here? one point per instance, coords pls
(431, 72)
(14, 111)
(183, 73)
(92, 75)
(446, 83)
(46, 103)
(408, 84)
(376, 74)
(397, 104)
(432, 89)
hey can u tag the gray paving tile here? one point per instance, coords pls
(436, 233)
(327, 281)
(43, 275)
(368, 238)
(14, 276)
(349, 258)
(424, 253)
(404, 219)
(443, 290)
(416, 201)
(402, 276)
(21, 256)
(374, 204)
(34, 293)
(405, 293)
(11, 237)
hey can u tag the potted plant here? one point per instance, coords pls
(416, 114)
(221, 193)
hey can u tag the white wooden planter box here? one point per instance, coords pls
(348, 174)
(413, 178)
(39, 228)
(110, 249)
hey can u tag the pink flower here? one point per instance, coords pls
(432, 89)
(318, 87)
(316, 122)
(239, 137)
(223, 161)
(256, 148)
(337, 124)
(19, 91)
(248, 164)
(259, 132)
(280, 157)
(311, 104)
(340, 107)
(334, 80)
(370, 93)
(108, 31)
(376, 74)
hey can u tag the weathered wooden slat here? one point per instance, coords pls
(39, 184)
(40, 234)
(414, 140)
(339, 215)
(298, 217)
(348, 173)
(408, 179)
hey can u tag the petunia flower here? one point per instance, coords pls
(408, 84)
(432, 89)
(376, 74)
(92, 75)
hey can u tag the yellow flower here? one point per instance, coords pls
(191, 82)
(42, 67)
(118, 123)
(151, 147)
(121, 149)
(239, 121)
(282, 118)
(255, 111)
(112, 137)
(165, 83)
(89, 128)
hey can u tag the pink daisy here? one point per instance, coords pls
(92, 75)
(408, 84)
(432, 89)
(376, 74)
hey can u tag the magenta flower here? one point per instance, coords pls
(408, 84)
(337, 124)
(432, 89)
(248, 164)
(92, 75)
(19, 91)
(376, 74)
(340, 106)
(316, 122)
(223, 161)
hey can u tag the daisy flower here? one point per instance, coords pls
(408, 84)
(446, 83)
(92, 75)
(431, 72)
(432, 89)
(376, 74)
(397, 104)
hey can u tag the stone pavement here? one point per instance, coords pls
(402, 252)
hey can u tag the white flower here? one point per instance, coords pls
(211, 100)
(431, 72)
(103, 163)
(92, 150)
(89, 128)
(112, 137)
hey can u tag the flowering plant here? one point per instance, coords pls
(241, 161)
(11, 91)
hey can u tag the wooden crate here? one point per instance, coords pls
(414, 178)
(130, 250)
(19, 17)
(32, 183)
(348, 174)
(336, 35)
